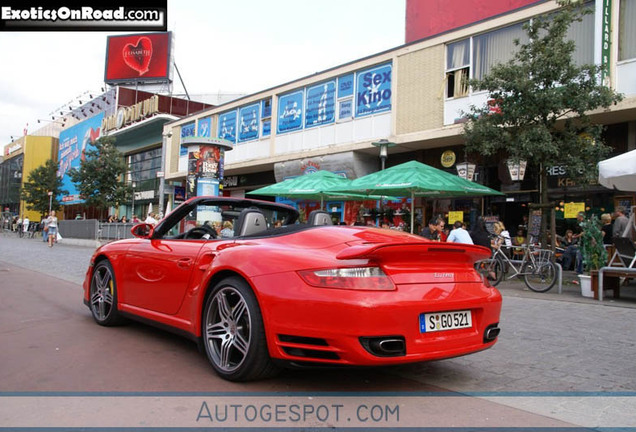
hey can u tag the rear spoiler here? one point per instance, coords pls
(411, 251)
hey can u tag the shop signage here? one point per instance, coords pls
(145, 195)
(448, 158)
(128, 115)
(13, 148)
(373, 90)
(605, 49)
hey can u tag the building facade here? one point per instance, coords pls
(414, 96)
(21, 157)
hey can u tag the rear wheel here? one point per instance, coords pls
(233, 333)
(540, 276)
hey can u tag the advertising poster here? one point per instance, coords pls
(204, 126)
(74, 142)
(572, 209)
(373, 90)
(227, 126)
(138, 58)
(320, 104)
(290, 112)
(249, 123)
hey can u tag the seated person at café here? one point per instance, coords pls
(432, 232)
(570, 246)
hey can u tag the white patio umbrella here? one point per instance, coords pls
(619, 172)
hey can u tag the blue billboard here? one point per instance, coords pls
(290, 112)
(226, 129)
(187, 130)
(373, 90)
(320, 104)
(74, 143)
(345, 86)
(204, 126)
(249, 122)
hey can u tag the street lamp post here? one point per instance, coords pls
(50, 201)
(384, 145)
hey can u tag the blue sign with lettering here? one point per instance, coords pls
(204, 127)
(249, 123)
(320, 104)
(226, 128)
(290, 112)
(267, 128)
(187, 130)
(373, 90)
(345, 86)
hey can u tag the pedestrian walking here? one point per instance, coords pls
(52, 231)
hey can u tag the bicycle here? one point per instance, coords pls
(537, 268)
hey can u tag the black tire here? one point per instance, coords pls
(103, 295)
(233, 333)
(491, 269)
(542, 278)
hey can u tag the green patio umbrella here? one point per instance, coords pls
(413, 179)
(315, 186)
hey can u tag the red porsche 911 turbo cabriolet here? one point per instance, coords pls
(267, 291)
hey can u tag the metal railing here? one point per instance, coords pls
(92, 229)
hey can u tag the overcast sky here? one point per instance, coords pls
(239, 46)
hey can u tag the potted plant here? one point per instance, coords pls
(594, 254)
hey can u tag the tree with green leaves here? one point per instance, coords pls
(99, 178)
(42, 181)
(540, 103)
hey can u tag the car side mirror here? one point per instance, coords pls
(143, 230)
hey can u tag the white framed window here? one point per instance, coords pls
(627, 30)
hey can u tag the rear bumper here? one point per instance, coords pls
(326, 326)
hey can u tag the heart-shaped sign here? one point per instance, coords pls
(138, 57)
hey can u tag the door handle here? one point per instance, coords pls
(184, 262)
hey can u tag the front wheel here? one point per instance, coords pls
(540, 276)
(103, 295)
(492, 269)
(233, 333)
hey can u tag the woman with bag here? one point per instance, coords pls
(52, 228)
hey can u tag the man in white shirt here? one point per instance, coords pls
(459, 234)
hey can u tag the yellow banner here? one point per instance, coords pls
(572, 209)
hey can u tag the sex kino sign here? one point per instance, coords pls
(373, 90)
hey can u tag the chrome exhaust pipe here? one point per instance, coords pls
(385, 346)
(391, 346)
(491, 333)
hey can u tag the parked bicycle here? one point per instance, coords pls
(537, 267)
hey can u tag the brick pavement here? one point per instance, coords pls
(549, 341)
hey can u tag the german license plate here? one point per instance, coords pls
(440, 321)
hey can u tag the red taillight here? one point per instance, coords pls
(352, 278)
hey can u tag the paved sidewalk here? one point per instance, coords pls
(68, 260)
